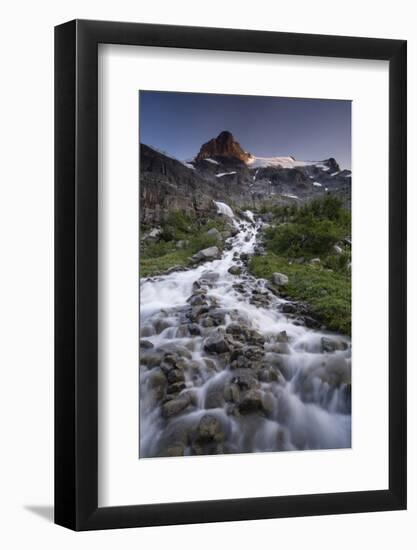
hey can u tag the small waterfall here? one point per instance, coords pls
(224, 209)
(250, 215)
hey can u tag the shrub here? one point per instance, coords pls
(327, 293)
(310, 238)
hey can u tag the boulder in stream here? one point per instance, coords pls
(175, 406)
(235, 270)
(210, 253)
(216, 344)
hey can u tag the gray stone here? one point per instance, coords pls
(216, 344)
(329, 345)
(235, 270)
(157, 384)
(175, 406)
(210, 253)
(145, 344)
(196, 300)
(215, 233)
(209, 429)
(279, 279)
(194, 329)
(209, 276)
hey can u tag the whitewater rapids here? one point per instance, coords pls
(290, 394)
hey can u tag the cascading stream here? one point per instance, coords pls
(224, 370)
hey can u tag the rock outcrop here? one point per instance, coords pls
(224, 145)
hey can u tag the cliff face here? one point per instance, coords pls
(166, 184)
(224, 145)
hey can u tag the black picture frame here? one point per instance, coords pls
(76, 272)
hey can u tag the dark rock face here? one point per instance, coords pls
(224, 145)
(166, 185)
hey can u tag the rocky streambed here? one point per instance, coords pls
(229, 366)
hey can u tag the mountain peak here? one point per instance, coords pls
(224, 145)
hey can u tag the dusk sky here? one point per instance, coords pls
(307, 129)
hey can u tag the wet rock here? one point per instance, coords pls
(310, 322)
(197, 311)
(210, 253)
(235, 270)
(210, 364)
(216, 344)
(175, 375)
(147, 330)
(194, 329)
(218, 315)
(182, 331)
(244, 256)
(336, 249)
(176, 387)
(196, 300)
(231, 393)
(157, 384)
(214, 398)
(279, 279)
(268, 404)
(209, 429)
(244, 379)
(235, 329)
(160, 325)
(176, 406)
(151, 358)
(269, 374)
(259, 251)
(209, 276)
(253, 353)
(336, 373)
(173, 450)
(278, 362)
(251, 402)
(288, 307)
(175, 348)
(145, 344)
(329, 345)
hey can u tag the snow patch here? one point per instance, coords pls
(317, 184)
(284, 162)
(224, 174)
(212, 161)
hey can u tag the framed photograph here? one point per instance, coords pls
(230, 338)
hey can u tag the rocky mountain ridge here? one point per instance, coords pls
(223, 171)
